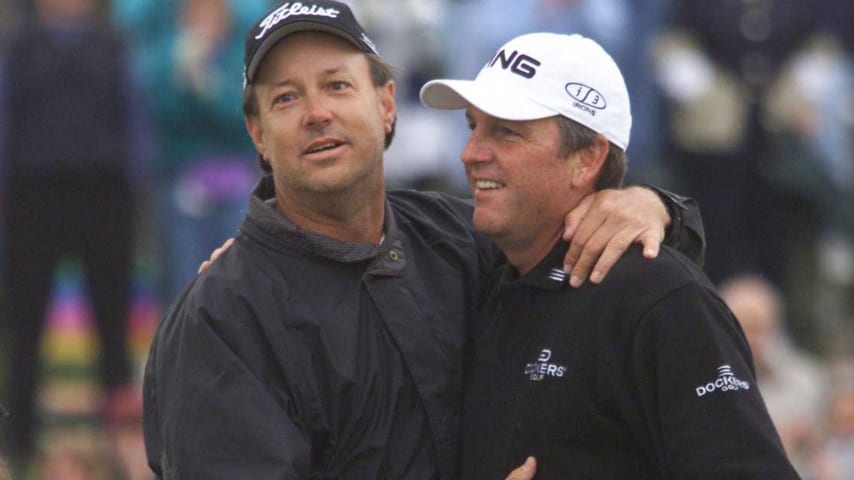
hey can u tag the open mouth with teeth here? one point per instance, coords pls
(323, 147)
(488, 185)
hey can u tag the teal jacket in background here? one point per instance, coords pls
(189, 126)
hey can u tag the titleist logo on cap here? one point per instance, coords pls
(296, 8)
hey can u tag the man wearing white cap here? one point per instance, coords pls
(647, 375)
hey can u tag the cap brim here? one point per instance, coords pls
(498, 102)
(290, 29)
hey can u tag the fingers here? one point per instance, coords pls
(573, 219)
(204, 266)
(605, 247)
(605, 226)
(604, 240)
(225, 246)
(215, 254)
(613, 249)
(580, 224)
(651, 241)
(526, 471)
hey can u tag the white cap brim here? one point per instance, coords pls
(498, 102)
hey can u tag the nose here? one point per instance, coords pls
(318, 113)
(476, 151)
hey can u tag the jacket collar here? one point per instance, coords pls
(385, 259)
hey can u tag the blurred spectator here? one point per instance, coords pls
(74, 455)
(406, 33)
(837, 249)
(836, 459)
(65, 112)
(748, 84)
(793, 386)
(126, 447)
(192, 70)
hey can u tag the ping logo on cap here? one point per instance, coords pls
(289, 9)
(586, 95)
(519, 63)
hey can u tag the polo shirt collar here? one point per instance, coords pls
(547, 275)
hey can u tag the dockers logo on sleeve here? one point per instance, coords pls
(517, 62)
(726, 382)
(542, 368)
(295, 8)
(587, 99)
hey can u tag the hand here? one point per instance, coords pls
(526, 471)
(215, 254)
(603, 226)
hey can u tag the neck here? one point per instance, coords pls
(346, 216)
(525, 255)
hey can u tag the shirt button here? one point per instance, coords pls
(393, 255)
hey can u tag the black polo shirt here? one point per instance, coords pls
(647, 375)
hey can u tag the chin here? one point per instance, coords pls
(487, 226)
(341, 181)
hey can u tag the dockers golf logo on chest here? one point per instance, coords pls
(726, 382)
(542, 368)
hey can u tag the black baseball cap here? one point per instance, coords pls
(328, 16)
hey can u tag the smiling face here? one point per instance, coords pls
(522, 186)
(321, 122)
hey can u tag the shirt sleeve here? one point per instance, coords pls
(698, 390)
(214, 409)
(686, 232)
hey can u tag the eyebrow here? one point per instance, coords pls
(332, 71)
(287, 81)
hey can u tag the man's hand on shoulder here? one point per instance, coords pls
(603, 226)
(524, 472)
(215, 254)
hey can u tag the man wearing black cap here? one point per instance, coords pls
(327, 342)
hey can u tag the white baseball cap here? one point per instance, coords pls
(540, 75)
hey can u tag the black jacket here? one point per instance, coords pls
(645, 376)
(297, 356)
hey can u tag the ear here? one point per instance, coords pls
(387, 105)
(256, 133)
(589, 163)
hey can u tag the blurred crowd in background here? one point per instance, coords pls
(122, 147)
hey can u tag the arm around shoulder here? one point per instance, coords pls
(685, 232)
